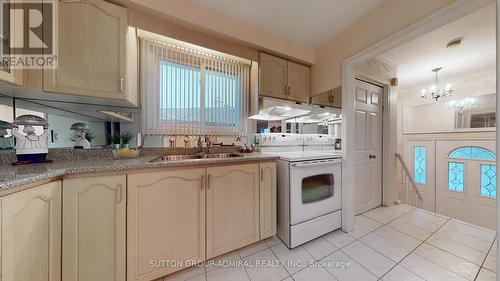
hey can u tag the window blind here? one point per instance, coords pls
(188, 92)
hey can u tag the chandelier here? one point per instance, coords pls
(436, 91)
(461, 105)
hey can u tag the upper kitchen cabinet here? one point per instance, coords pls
(279, 78)
(8, 74)
(298, 82)
(272, 76)
(92, 51)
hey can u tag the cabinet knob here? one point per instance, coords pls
(331, 99)
(372, 156)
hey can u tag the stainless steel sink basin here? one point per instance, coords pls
(180, 157)
(222, 155)
(166, 158)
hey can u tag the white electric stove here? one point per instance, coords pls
(309, 187)
(319, 142)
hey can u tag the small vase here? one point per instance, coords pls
(125, 145)
(116, 145)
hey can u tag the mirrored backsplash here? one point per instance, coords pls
(61, 116)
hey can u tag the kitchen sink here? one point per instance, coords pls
(222, 155)
(166, 158)
(180, 157)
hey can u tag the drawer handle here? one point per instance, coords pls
(201, 181)
(208, 182)
(261, 174)
(122, 85)
(119, 195)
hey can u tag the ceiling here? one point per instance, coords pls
(477, 53)
(310, 22)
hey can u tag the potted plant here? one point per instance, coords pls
(126, 138)
(115, 140)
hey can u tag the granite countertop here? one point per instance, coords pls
(16, 176)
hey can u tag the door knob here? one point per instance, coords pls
(372, 156)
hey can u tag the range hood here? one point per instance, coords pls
(271, 109)
(318, 114)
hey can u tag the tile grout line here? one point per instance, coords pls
(277, 258)
(465, 245)
(382, 225)
(244, 267)
(487, 254)
(317, 260)
(424, 241)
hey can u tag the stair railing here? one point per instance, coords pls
(411, 195)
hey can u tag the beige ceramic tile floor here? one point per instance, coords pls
(398, 243)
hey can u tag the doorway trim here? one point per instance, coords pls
(437, 19)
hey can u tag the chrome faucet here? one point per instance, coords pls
(209, 144)
(202, 143)
(199, 145)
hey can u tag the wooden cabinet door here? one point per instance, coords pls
(94, 221)
(31, 234)
(165, 221)
(7, 74)
(267, 199)
(272, 76)
(298, 82)
(91, 50)
(232, 208)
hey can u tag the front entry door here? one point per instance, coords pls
(368, 146)
(466, 181)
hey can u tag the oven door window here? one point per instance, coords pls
(317, 188)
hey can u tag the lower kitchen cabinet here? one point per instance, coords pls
(166, 222)
(232, 208)
(31, 234)
(94, 225)
(267, 199)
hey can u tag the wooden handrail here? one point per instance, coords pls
(408, 175)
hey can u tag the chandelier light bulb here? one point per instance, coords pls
(436, 91)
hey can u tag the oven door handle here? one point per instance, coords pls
(316, 163)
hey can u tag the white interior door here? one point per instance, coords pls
(419, 156)
(368, 146)
(466, 181)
